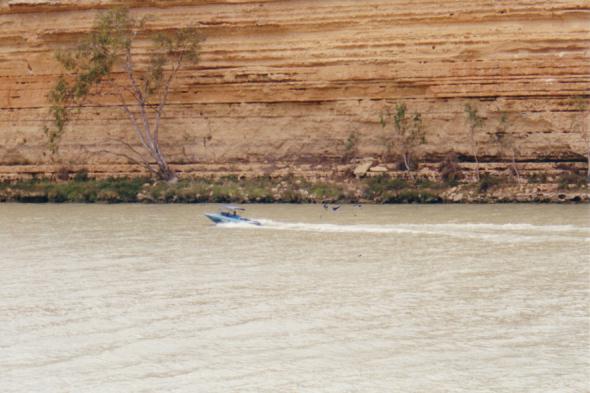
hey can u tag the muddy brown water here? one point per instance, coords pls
(135, 298)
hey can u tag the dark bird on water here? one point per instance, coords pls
(326, 206)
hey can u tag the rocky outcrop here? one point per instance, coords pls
(286, 82)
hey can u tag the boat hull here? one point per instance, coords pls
(221, 219)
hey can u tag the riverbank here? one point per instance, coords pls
(290, 189)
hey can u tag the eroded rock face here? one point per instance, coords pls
(289, 81)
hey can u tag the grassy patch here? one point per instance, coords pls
(377, 187)
(392, 190)
(412, 196)
(327, 192)
(88, 191)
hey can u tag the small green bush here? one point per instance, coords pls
(378, 186)
(292, 196)
(326, 191)
(108, 196)
(449, 170)
(486, 182)
(219, 194)
(572, 179)
(426, 183)
(192, 193)
(56, 196)
(127, 189)
(81, 175)
(351, 146)
(258, 194)
(537, 178)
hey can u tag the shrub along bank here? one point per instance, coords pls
(381, 189)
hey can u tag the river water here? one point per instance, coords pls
(139, 298)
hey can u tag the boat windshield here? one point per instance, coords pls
(231, 211)
(230, 214)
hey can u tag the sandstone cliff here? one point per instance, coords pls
(287, 81)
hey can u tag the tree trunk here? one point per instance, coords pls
(475, 149)
(166, 173)
(406, 161)
(515, 168)
(476, 165)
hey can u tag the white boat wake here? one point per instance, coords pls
(485, 231)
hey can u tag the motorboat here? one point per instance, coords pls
(230, 215)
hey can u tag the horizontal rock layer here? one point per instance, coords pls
(289, 81)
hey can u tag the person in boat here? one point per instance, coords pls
(230, 212)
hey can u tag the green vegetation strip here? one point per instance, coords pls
(231, 189)
(223, 190)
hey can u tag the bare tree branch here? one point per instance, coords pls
(136, 162)
(133, 121)
(164, 99)
(139, 96)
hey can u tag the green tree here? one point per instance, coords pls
(408, 133)
(143, 92)
(351, 146)
(475, 123)
(506, 142)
